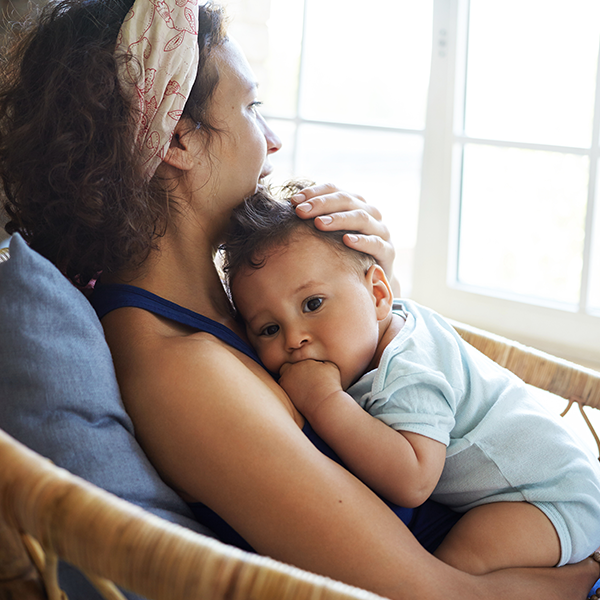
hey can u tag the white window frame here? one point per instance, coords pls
(573, 333)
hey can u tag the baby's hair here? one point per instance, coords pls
(264, 223)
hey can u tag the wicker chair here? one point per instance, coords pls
(46, 513)
(110, 540)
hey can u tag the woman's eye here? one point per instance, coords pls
(255, 105)
(269, 330)
(313, 304)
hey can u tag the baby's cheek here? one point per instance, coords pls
(269, 358)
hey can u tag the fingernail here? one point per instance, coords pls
(326, 220)
(297, 198)
(304, 207)
(352, 237)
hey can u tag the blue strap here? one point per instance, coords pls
(112, 296)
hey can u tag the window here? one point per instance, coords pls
(345, 87)
(510, 172)
(486, 112)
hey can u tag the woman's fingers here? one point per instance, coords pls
(359, 220)
(382, 251)
(371, 236)
(326, 198)
(336, 210)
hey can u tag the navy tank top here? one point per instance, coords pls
(429, 523)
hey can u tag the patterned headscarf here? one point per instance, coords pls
(162, 37)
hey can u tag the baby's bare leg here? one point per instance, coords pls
(501, 535)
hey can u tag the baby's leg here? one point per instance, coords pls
(501, 535)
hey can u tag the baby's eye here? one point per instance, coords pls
(269, 330)
(312, 304)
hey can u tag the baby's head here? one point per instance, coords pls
(303, 293)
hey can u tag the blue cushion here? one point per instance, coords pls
(59, 393)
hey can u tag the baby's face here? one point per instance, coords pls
(308, 302)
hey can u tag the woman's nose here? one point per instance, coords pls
(273, 141)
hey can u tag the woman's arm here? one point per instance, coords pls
(334, 210)
(218, 430)
(403, 467)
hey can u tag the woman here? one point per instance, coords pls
(149, 215)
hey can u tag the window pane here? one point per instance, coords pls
(367, 67)
(384, 168)
(279, 83)
(522, 221)
(594, 290)
(531, 70)
(270, 33)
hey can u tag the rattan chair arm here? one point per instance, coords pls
(101, 534)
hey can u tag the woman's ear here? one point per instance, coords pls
(181, 150)
(381, 290)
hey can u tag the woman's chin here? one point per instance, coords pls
(266, 171)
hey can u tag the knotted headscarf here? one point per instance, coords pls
(162, 38)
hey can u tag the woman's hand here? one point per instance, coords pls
(334, 209)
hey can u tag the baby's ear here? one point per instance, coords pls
(381, 290)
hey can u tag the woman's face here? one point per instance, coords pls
(239, 154)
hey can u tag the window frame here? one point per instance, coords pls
(573, 333)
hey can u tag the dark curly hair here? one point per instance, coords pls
(267, 221)
(74, 186)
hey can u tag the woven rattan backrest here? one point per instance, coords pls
(579, 385)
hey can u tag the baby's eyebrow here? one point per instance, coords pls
(250, 320)
(310, 283)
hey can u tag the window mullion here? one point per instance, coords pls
(301, 78)
(431, 267)
(591, 200)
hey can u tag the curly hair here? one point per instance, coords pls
(263, 223)
(74, 185)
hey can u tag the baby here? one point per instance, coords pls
(408, 406)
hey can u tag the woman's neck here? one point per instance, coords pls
(183, 272)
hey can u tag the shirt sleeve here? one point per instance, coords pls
(422, 402)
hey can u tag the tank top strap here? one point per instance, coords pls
(108, 297)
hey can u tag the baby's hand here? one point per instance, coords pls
(309, 382)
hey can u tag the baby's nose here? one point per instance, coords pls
(297, 339)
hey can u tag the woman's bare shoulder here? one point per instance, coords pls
(169, 366)
(155, 353)
(191, 395)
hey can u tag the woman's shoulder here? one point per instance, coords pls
(157, 349)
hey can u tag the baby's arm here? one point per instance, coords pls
(403, 467)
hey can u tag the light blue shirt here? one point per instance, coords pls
(502, 444)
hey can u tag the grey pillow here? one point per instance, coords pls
(59, 393)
